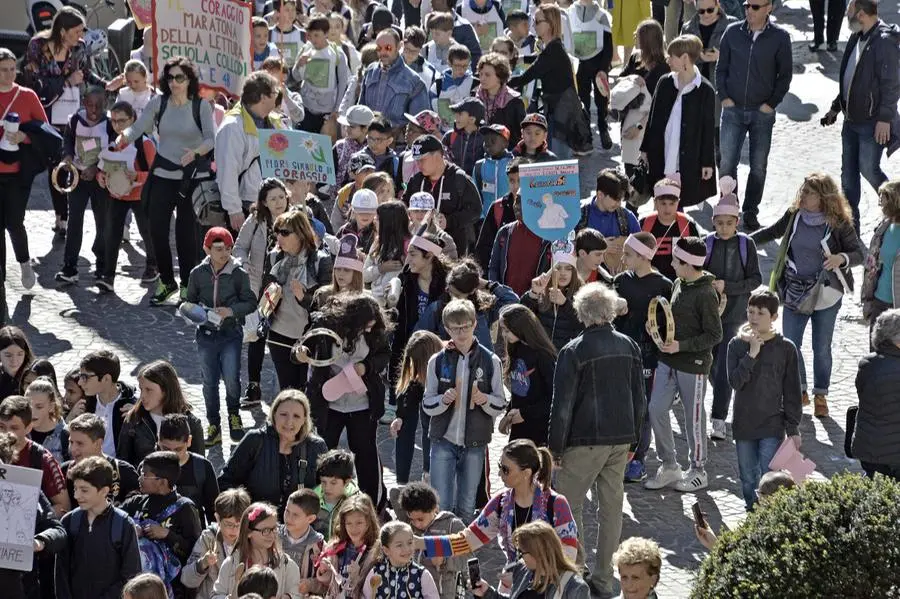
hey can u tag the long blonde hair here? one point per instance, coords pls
(414, 363)
(539, 540)
(834, 204)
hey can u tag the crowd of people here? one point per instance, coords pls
(412, 294)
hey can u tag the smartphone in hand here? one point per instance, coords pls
(474, 572)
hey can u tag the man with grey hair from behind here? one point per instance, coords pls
(596, 414)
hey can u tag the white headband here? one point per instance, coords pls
(565, 258)
(428, 246)
(641, 249)
(350, 263)
(686, 257)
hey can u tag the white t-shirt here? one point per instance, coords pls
(138, 100)
(106, 413)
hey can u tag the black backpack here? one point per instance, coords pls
(116, 530)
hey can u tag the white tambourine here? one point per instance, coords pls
(335, 350)
(73, 174)
(118, 183)
(653, 326)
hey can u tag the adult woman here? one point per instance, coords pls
(878, 420)
(161, 394)
(812, 272)
(296, 272)
(679, 137)
(638, 562)
(525, 470)
(252, 246)
(880, 280)
(276, 459)
(15, 359)
(363, 326)
(593, 47)
(502, 105)
(15, 186)
(552, 304)
(57, 63)
(186, 135)
(543, 570)
(554, 70)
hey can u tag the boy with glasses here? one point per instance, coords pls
(456, 83)
(379, 145)
(104, 394)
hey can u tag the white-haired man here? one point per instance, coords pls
(598, 406)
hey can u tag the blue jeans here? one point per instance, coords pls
(738, 123)
(753, 461)
(405, 445)
(220, 357)
(87, 191)
(455, 472)
(860, 155)
(794, 325)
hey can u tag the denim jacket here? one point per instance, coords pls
(393, 91)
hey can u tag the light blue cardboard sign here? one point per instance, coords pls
(551, 205)
(287, 154)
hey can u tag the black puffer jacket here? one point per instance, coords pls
(138, 437)
(254, 465)
(459, 201)
(877, 436)
(562, 325)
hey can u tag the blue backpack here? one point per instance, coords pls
(157, 557)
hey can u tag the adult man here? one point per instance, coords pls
(869, 89)
(753, 75)
(455, 194)
(237, 144)
(390, 86)
(592, 425)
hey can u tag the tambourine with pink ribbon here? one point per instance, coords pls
(653, 325)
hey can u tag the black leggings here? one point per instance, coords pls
(290, 375)
(361, 431)
(13, 200)
(117, 212)
(165, 200)
(256, 353)
(587, 83)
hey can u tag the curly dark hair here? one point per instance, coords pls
(188, 68)
(349, 314)
(465, 278)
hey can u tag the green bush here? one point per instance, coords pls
(839, 539)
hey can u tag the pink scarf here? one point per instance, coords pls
(503, 97)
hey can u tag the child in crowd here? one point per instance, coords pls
(335, 471)
(500, 212)
(638, 285)
(363, 206)
(323, 70)
(528, 369)
(604, 213)
(684, 366)
(439, 26)
(385, 261)
(285, 34)
(426, 122)
(465, 142)
(351, 550)
(463, 395)
(16, 357)
(101, 552)
(359, 166)
(414, 40)
(667, 223)
(301, 194)
(137, 91)
(590, 251)
(262, 48)
(534, 145)
(532, 254)
(145, 586)
(40, 368)
(347, 274)
(355, 125)
(48, 427)
(219, 297)
(384, 186)
(421, 206)
(410, 388)
(396, 570)
(258, 544)
(552, 294)
(488, 171)
(168, 523)
(299, 540)
(731, 258)
(418, 506)
(197, 480)
(72, 393)
(518, 29)
(123, 173)
(88, 132)
(259, 582)
(86, 434)
(764, 370)
(16, 418)
(290, 109)
(104, 394)
(379, 145)
(455, 85)
(337, 35)
(216, 543)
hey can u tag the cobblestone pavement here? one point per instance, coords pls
(65, 323)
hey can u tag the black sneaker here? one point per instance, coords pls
(105, 284)
(605, 139)
(67, 275)
(163, 292)
(213, 435)
(235, 427)
(252, 396)
(151, 274)
(751, 223)
(832, 46)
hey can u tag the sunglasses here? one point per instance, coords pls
(179, 78)
(707, 11)
(283, 232)
(754, 6)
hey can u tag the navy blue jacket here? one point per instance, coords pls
(754, 72)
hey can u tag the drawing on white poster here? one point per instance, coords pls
(19, 489)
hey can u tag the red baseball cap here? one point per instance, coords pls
(218, 234)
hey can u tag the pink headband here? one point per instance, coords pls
(686, 257)
(564, 258)
(350, 263)
(639, 248)
(726, 210)
(255, 513)
(428, 246)
(665, 189)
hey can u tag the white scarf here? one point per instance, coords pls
(673, 126)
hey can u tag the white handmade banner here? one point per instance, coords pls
(214, 34)
(19, 488)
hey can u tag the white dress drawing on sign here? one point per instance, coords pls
(554, 215)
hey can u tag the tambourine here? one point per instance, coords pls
(336, 348)
(118, 183)
(723, 303)
(653, 326)
(73, 174)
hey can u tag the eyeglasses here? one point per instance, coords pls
(707, 11)
(459, 65)
(229, 525)
(85, 376)
(144, 476)
(462, 328)
(179, 78)
(503, 468)
(265, 531)
(377, 140)
(754, 6)
(283, 232)
(387, 48)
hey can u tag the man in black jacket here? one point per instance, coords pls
(597, 410)
(869, 87)
(753, 75)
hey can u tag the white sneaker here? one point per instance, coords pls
(665, 477)
(718, 430)
(28, 278)
(693, 480)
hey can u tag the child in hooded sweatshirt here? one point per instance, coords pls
(488, 173)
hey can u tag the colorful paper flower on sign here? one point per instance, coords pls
(278, 144)
(314, 149)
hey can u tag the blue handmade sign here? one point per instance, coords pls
(296, 155)
(551, 205)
